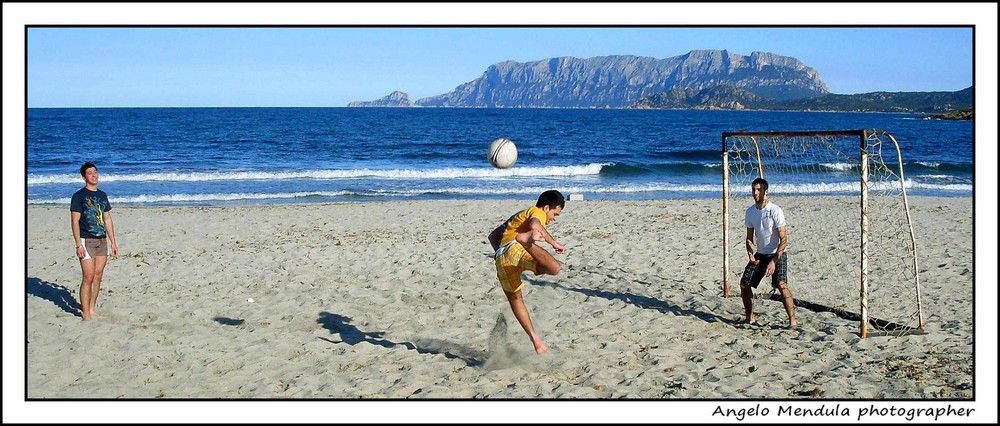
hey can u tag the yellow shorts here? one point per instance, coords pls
(511, 262)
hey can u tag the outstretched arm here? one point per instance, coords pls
(536, 225)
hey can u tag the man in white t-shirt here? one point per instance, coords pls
(766, 221)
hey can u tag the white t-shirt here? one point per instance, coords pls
(765, 223)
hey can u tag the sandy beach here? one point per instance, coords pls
(400, 300)
(394, 300)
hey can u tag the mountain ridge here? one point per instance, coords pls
(699, 79)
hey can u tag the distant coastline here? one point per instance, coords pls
(698, 80)
(942, 105)
(965, 114)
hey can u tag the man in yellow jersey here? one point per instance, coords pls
(516, 251)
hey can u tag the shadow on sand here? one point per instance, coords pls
(229, 321)
(341, 326)
(55, 293)
(643, 302)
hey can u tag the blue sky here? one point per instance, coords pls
(331, 66)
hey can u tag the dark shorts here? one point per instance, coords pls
(754, 273)
(95, 247)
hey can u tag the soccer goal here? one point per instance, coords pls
(858, 239)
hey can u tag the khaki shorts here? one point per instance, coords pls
(94, 247)
(512, 260)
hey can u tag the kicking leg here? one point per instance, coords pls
(521, 313)
(546, 264)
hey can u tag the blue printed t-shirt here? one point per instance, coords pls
(91, 205)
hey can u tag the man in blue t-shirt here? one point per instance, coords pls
(93, 230)
(766, 221)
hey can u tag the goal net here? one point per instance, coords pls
(855, 257)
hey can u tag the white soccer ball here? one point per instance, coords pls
(503, 153)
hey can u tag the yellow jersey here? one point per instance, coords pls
(512, 226)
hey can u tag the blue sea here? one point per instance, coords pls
(239, 156)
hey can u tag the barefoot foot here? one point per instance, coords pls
(540, 347)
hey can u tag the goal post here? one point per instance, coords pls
(856, 255)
